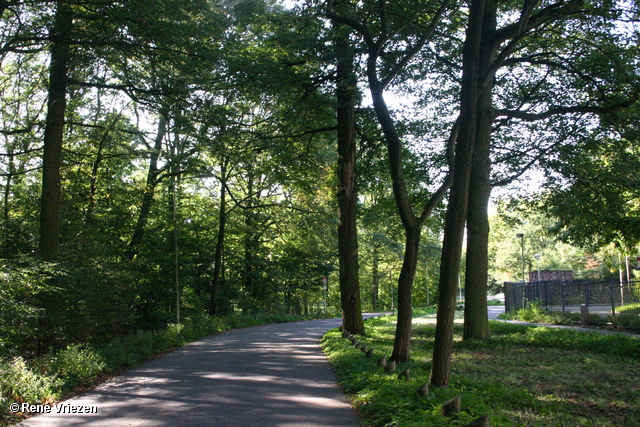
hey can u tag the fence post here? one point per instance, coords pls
(546, 297)
(613, 302)
(563, 297)
(584, 315)
(587, 294)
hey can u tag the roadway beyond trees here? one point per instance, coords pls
(272, 375)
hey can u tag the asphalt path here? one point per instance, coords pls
(493, 311)
(271, 375)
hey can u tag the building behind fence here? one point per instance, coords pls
(605, 301)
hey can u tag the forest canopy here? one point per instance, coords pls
(167, 160)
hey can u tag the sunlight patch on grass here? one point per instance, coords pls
(523, 376)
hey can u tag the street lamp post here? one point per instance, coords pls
(426, 275)
(325, 288)
(521, 237)
(537, 257)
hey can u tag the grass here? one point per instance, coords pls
(629, 308)
(534, 313)
(55, 376)
(523, 376)
(627, 316)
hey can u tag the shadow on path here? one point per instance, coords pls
(272, 375)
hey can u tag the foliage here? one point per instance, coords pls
(558, 377)
(595, 200)
(77, 364)
(629, 308)
(23, 293)
(534, 313)
(160, 123)
(52, 376)
(20, 383)
(519, 215)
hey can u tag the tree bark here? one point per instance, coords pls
(375, 279)
(458, 199)
(411, 222)
(402, 341)
(217, 258)
(476, 321)
(252, 293)
(53, 132)
(152, 177)
(347, 192)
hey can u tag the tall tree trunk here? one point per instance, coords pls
(347, 192)
(53, 132)
(222, 223)
(149, 190)
(5, 202)
(476, 320)
(458, 199)
(402, 341)
(411, 224)
(93, 180)
(250, 238)
(375, 279)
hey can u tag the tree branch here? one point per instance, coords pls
(594, 109)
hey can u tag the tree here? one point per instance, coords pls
(456, 216)
(539, 26)
(488, 49)
(593, 197)
(54, 129)
(347, 193)
(393, 34)
(150, 185)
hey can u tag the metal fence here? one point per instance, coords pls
(612, 302)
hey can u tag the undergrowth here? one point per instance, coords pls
(522, 376)
(51, 377)
(626, 316)
(534, 313)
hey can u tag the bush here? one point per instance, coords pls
(77, 364)
(19, 383)
(24, 292)
(627, 320)
(534, 313)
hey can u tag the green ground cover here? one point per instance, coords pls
(627, 316)
(523, 376)
(51, 377)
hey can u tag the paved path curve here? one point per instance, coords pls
(272, 375)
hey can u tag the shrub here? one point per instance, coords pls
(629, 320)
(19, 383)
(534, 313)
(77, 364)
(23, 293)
